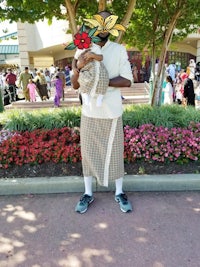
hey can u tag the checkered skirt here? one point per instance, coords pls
(102, 147)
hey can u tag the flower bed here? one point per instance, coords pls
(148, 142)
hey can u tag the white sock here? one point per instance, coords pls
(99, 100)
(88, 185)
(118, 186)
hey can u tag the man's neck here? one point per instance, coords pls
(102, 43)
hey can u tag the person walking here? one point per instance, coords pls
(101, 131)
(168, 91)
(32, 90)
(67, 76)
(41, 84)
(23, 81)
(58, 94)
(188, 87)
(61, 75)
(11, 80)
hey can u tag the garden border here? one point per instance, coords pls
(73, 184)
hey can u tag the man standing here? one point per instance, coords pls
(102, 139)
(10, 80)
(23, 81)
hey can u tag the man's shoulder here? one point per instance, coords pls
(114, 45)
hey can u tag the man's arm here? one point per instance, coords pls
(74, 80)
(90, 55)
(119, 82)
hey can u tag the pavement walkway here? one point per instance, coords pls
(45, 231)
(39, 227)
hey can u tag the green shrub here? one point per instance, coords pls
(167, 116)
(20, 120)
(134, 116)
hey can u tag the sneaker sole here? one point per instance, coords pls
(83, 211)
(125, 211)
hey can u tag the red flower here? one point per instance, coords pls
(82, 40)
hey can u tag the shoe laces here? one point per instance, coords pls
(85, 199)
(123, 198)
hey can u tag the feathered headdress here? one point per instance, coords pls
(106, 25)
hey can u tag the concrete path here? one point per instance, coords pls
(45, 231)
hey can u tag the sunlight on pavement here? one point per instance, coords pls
(14, 259)
(17, 212)
(197, 210)
(86, 258)
(101, 226)
(158, 264)
(71, 261)
(75, 235)
(7, 244)
(141, 239)
(89, 253)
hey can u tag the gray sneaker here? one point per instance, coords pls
(83, 203)
(125, 205)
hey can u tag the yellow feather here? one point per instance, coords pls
(119, 27)
(93, 22)
(110, 22)
(114, 32)
(99, 19)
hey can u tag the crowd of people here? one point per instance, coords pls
(17, 85)
(182, 86)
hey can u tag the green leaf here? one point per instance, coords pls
(95, 39)
(71, 46)
(92, 31)
(83, 29)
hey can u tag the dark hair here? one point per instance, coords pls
(104, 11)
(169, 79)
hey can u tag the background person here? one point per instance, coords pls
(61, 75)
(188, 87)
(10, 79)
(41, 84)
(168, 91)
(23, 81)
(58, 93)
(32, 90)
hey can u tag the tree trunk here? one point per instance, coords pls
(102, 5)
(71, 14)
(162, 57)
(126, 18)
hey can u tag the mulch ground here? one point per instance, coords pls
(75, 169)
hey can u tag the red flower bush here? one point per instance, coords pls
(148, 142)
(58, 145)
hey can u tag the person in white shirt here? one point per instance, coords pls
(171, 70)
(168, 91)
(102, 139)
